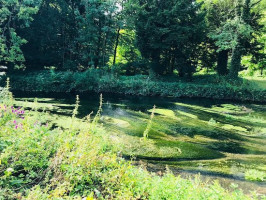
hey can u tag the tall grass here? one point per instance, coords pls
(75, 111)
(5, 94)
(149, 125)
(98, 114)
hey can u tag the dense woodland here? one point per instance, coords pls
(182, 87)
(134, 36)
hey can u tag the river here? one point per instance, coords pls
(221, 140)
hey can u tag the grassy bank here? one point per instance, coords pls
(207, 86)
(77, 160)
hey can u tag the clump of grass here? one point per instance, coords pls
(148, 128)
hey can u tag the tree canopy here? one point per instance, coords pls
(165, 36)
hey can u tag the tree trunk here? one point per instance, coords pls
(222, 62)
(172, 64)
(98, 51)
(235, 62)
(116, 44)
(155, 64)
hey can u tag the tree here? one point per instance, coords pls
(14, 14)
(218, 12)
(168, 34)
(96, 31)
(51, 36)
(74, 34)
(236, 33)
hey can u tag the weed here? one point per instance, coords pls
(148, 128)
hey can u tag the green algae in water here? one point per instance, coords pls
(165, 112)
(166, 150)
(179, 112)
(235, 128)
(231, 109)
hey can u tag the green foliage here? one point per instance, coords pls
(214, 87)
(50, 36)
(98, 114)
(235, 30)
(14, 15)
(227, 36)
(96, 31)
(168, 34)
(171, 35)
(136, 36)
(28, 146)
(75, 111)
(128, 49)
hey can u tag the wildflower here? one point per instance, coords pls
(19, 126)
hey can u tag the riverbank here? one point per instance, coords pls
(77, 160)
(206, 86)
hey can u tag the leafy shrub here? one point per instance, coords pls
(26, 149)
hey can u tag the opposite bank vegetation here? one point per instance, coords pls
(214, 87)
